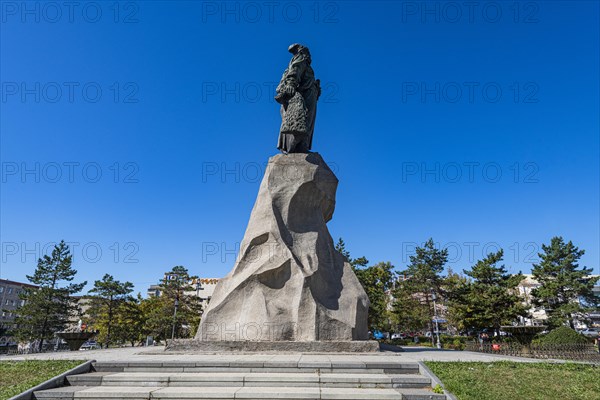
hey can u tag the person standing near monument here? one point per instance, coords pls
(298, 93)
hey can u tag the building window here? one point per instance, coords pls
(7, 301)
(10, 290)
(1, 289)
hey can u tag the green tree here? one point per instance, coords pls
(157, 314)
(490, 299)
(422, 284)
(129, 322)
(340, 246)
(4, 331)
(454, 285)
(564, 289)
(49, 308)
(377, 281)
(107, 296)
(177, 306)
(408, 313)
(356, 263)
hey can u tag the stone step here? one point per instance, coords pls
(213, 393)
(245, 379)
(286, 366)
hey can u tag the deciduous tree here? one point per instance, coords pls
(129, 322)
(377, 281)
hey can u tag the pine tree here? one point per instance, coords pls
(107, 297)
(50, 308)
(490, 299)
(340, 246)
(408, 313)
(356, 263)
(564, 288)
(414, 296)
(455, 285)
(178, 292)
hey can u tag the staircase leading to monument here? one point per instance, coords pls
(305, 378)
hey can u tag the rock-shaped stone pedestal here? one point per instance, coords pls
(289, 283)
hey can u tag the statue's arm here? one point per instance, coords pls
(295, 71)
(291, 80)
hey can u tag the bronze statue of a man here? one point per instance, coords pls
(297, 92)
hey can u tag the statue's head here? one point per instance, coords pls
(294, 48)
(297, 48)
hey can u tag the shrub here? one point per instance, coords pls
(448, 342)
(424, 340)
(455, 342)
(438, 389)
(562, 335)
(396, 342)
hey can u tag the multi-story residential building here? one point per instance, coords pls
(9, 302)
(595, 316)
(538, 314)
(206, 289)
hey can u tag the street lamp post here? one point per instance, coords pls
(198, 287)
(437, 327)
(178, 280)
(175, 317)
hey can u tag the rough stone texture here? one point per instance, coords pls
(289, 283)
(357, 346)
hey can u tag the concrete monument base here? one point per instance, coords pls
(289, 283)
(195, 345)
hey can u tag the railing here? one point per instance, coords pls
(576, 352)
(48, 348)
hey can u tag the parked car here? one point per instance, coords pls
(378, 335)
(398, 336)
(590, 332)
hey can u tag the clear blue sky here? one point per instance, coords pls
(477, 127)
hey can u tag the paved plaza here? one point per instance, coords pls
(143, 354)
